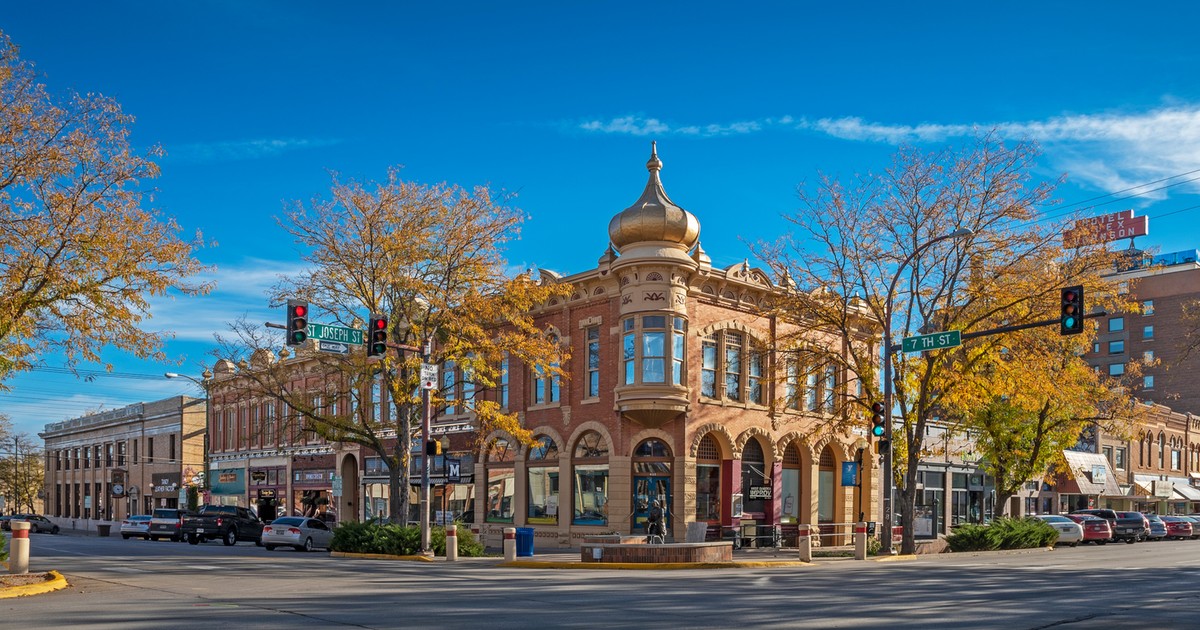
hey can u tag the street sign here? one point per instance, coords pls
(429, 373)
(935, 341)
(340, 334)
(333, 346)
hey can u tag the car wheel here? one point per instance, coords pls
(1130, 541)
(1101, 542)
(230, 537)
(270, 547)
(125, 536)
(308, 544)
(1074, 544)
(193, 539)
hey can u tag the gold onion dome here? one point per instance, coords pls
(654, 217)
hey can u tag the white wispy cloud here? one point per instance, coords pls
(235, 150)
(1111, 151)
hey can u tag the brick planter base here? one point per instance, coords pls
(668, 553)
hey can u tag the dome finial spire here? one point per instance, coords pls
(654, 164)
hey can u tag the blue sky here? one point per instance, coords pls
(256, 103)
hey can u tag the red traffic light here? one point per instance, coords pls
(297, 322)
(377, 336)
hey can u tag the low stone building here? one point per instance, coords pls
(109, 465)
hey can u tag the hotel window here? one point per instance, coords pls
(545, 382)
(1148, 307)
(1148, 332)
(1148, 357)
(171, 448)
(1116, 369)
(135, 451)
(121, 453)
(590, 492)
(740, 362)
(1148, 381)
(593, 362)
(1116, 324)
(1096, 347)
(503, 395)
(108, 455)
(150, 451)
(87, 457)
(1116, 347)
(542, 482)
(653, 349)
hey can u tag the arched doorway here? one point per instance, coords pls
(708, 481)
(827, 507)
(349, 504)
(651, 482)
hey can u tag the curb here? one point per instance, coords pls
(54, 581)
(655, 566)
(379, 556)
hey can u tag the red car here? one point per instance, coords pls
(1095, 529)
(1178, 527)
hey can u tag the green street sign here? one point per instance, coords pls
(935, 341)
(325, 332)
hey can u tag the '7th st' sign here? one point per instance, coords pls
(936, 341)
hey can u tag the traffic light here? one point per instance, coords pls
(433, 447)
(1070, 322)
(877, 422)
(377, 336)
(297, 322)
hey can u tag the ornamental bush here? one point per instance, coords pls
(1003, 533)
(398, 540)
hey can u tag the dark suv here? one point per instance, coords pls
(1127, 526)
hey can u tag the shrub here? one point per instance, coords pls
(970, 537)
(398, 540)
(1004, 533)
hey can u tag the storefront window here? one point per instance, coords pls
(756, 478)
(708, 480)
(542, 478)
(789, 489)
(501, 482)
(590, 462)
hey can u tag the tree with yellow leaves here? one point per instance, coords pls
(79, 253)
(428, 258)
(948, 240)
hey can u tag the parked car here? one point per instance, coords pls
(4, 521)
(1195, 520)
(137, 525)
(1178, 527)
(1134, 520)
(1129, 528)
(1095, 529)
(1069, 532)
(1157, 528)
(166, 523)
(37, 523)
(298, 532)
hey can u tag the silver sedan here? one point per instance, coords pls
(1069, 532)
(299, 532)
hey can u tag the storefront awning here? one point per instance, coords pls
(1186, 492)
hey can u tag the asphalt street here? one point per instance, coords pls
(127, 584)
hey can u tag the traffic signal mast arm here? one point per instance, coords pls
(896, 347)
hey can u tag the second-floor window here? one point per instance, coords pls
(503, 394)
(593, 362)
(1116, 324)
(738, 362)
(653, 349)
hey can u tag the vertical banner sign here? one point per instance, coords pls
(849, 473)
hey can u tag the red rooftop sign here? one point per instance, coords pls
(1106, 228)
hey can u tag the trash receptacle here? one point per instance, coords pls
(103, 528)
(525, 542)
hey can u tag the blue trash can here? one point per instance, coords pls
(525, 542)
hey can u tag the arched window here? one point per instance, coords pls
(590, 463)
(542, 482)
(1162, 450)
(501, 482)
(708, 480)
(756, 478)
(826, 486)
(789, 488)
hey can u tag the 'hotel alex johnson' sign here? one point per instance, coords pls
(1102, 229)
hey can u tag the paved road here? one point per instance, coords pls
(137, 584)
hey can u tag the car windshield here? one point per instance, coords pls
(1054, 519)
(288, 520)
(166, 514)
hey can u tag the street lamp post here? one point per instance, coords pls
(888, 475)
(425, 457)
(205, 382)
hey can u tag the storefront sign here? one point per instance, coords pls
(1163, 489)
(1099, 475)
(229, 482)
(258, 476)
(266, 493)
(166, 485)
(760, 492)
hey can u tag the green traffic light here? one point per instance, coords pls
(877, 430)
